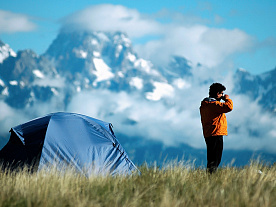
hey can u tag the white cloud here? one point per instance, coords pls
(107, 17)
(58, 82)
(7, 119)
(178, 120)
(183, 35)
(11, 117)
(13, 22)
(198, 43)
(250, 127)
(180, 123)
(175, 121)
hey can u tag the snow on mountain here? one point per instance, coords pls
(136, 82)
(5, 51)
(181, 83)
(160, 90)
(2, 83)
(38, 73)
(80, 61)
(21, 74)
(178, 68)
(5, 92)
(103, 60)
(102, 70)
(106, 60)
(258, 87)
(13, 82)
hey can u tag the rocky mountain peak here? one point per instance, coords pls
(5, 51)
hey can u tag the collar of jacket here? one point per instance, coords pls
(209, 99)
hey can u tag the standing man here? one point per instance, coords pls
(214, 123)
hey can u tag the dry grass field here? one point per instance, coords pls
(174, 185)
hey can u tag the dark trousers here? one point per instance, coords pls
(214, 152)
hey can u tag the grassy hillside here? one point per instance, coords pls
(175, 185)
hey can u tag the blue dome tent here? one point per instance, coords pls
(85, 144)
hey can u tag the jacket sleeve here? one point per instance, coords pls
(225, 107)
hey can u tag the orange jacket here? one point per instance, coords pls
(213, 118)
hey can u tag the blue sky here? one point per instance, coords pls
(219, 34)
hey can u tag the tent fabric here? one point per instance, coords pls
(87, 145)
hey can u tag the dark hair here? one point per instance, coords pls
(216, 88)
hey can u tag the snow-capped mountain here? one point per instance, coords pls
(258, 87)
(22, 79)
(86, 62)
(5, 51)
(104, 60)
(83, 61)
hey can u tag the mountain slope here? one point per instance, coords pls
(101, 60)
(258, 87)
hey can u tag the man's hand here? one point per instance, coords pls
(225, 97)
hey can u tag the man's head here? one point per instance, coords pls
(216, 91)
